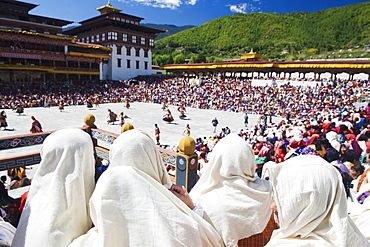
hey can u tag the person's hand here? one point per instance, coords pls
(182, 194)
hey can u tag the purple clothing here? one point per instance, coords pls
(340, 165)
(356, 148)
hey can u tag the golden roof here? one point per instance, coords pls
(108, 8)
(251, 55)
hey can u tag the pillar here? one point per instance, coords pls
(186, 163)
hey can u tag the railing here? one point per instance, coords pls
(186, 166)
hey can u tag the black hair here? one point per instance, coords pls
(358, 168)
(331, 155)
(363, 138)
(349, 155)
(346, 180)
(342, 128)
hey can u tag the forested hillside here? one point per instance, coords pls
(300, 34)
(171, 29)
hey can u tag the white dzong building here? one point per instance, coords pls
(131, 43)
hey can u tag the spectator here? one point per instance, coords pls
(56, 211)
(244, 210)
(314, 212)
(130, 195)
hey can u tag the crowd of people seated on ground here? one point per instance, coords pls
(233, 203)
(227, 94)
(296, 201)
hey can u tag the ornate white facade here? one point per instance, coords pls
(130, 42)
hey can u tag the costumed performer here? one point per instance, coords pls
(36, 126)
(131, 206)
(168, 117)
(311, 205)
(234, 201)
(56, 210)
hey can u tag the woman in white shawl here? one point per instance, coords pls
(56, 210)
(235, 202)
(360, 208)
(311, 205)
(131, 207)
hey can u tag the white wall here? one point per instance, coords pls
(124, 73)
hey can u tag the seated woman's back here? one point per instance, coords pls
(235, 202)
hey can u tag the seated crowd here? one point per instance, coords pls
(301, 201)
(301, 182)
(227, 94)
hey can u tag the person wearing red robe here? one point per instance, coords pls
(36, 126)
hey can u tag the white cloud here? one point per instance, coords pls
(245, 7)
(192, 2)
(170, 4)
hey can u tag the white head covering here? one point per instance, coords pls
(361, 212)
(235, 202)
(311, 203)
(135, 148)
(132, 208)
(7, 232)
(332, 137)
(56, 210)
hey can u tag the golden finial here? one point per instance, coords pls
(126, 127)
(187, 145)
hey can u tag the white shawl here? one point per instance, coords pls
(135, 148)
(131, 208)
(7, 232)
(56, 211)
(361, 213)
(311, 203)
(235, 202)
(332, 137)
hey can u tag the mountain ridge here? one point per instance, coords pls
(300, 33)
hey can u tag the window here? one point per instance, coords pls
(87, 39)
(137, 52)
(83, 40)
(114, 35)
(137, 64)
(103, 36)
(119, 50)
(142, 40)
(133, 39)
(151, 42)
(124, 37)
(109, 35)
(146, 64)
(118, 62)
(146, 53)
(128, 51)
(128, 63)
(92, 39)
(97, 38)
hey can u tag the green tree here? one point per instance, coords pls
(179, 58)
(312, 51)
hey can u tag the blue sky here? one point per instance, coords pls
(178, 12)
